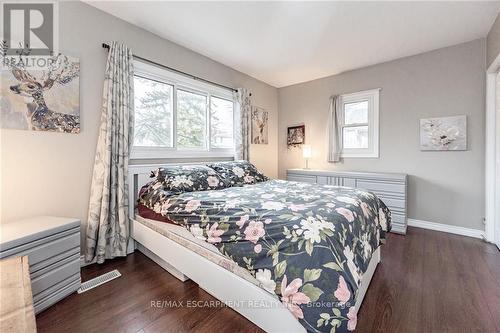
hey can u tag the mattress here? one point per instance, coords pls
(183, 237)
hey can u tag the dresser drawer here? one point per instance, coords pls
(54, 276)
(378, 186)
(398, 218)
(392, 202)
(302, 178)
(398, 222)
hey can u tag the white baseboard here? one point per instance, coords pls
(452, 229)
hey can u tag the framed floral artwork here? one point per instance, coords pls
(445, 133)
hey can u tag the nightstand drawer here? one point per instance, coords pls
(54, 276)
(44, 249)
(56, 293)
(52, 245)
(63, 259)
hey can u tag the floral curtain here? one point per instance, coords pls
(334, 130)
(243, 112)
(108, 219)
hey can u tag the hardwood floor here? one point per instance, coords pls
(427, 282)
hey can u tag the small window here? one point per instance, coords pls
(360, 124)
(177, 117)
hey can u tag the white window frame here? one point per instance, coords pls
(372, 96)
(192, 85)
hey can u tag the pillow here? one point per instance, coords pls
(188, 178)
(238, 173)
(150, 198)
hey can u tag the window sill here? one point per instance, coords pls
(176, 154)
(360, 155)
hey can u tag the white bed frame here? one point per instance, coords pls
(254, 303)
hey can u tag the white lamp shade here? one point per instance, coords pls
(306, 151)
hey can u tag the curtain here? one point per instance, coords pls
(334, 130)
(108, 219)
(243, 113)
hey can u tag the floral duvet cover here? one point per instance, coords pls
(308, 244)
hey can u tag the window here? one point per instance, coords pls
(359, 125)
(153, 113)
(177, 116)
(191, 120)
(221, 123)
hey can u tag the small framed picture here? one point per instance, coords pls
(296, 135)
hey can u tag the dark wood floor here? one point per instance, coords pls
(427, 282)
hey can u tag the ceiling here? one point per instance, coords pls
(283, 43)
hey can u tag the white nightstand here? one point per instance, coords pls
(52, 245)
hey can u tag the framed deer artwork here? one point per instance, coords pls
(260, 119)
(42, 100)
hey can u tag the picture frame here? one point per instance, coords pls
(296, 135)
(260, 126)
(42, 99)
(443, 134)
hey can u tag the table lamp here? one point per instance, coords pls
(306, 153)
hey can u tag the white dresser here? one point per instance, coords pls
(52, 245)
(391, 188)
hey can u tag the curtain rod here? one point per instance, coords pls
(106, 46)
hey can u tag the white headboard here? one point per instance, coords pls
(138, 176)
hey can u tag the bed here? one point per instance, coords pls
(289, 256)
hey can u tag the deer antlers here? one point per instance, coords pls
(61, 70)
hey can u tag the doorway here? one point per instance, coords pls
(497, 168)
(492, 230)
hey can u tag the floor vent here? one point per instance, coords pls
(101, 279)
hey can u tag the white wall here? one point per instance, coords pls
(50, 173)
(444, 187)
